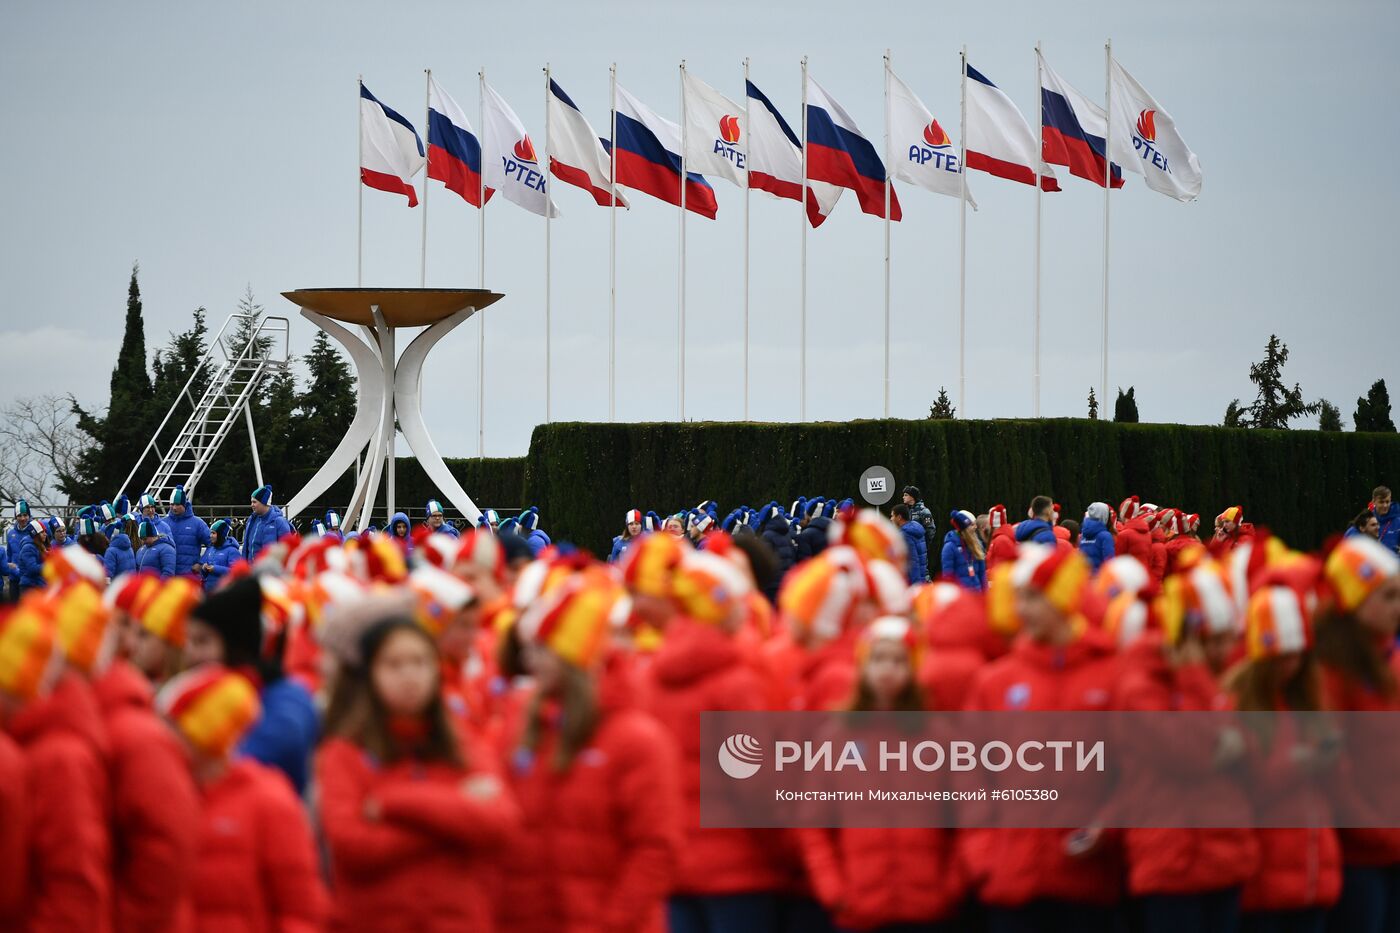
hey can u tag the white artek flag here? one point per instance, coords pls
(716, 132)
(1143, 139)
(510, 163)
(920, 151)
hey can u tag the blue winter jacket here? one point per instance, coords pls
(408, 528)
(8, 568)
(619, 548)
(162, 523)
(190, 535)
(14, 543)
(538, 541)
(285, 736)
(1390, 527)
(157, 558)
(120, 558)
(1033, 529)
(917, 546)
(813, 539)
(960, 566)
(221, 558)
(263, 530)
(31, 565)
(1096, 542)
(776, 533)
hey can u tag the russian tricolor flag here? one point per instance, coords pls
(390, 151)
(648, 158)
(1073, 129)
(454, 153)
(839, 154)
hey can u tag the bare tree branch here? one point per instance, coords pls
(39, 446)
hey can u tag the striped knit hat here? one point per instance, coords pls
(1061, 576)
(166, 611)
(1128, 617)
(1128, 509)
(440, 596)
(873, 537)
(1199, 599)
(996, 516)
(211, 707)
(709, 588)
(649, 565)
(1357, 567)
(74, 562)
(576, 620)
(891, 628)
(1277, 623)
(29, 659)
(82, 623)
(482, 551)
(1234, 513)
(820, 595)
(1122, 574)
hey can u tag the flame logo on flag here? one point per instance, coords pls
(1147, 125)
(935, 137)
(729, 129)
(525, 150)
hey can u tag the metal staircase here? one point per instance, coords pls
(242, 370)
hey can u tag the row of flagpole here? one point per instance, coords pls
(1041, 174)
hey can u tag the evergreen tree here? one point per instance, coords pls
(115, 439)
(1329, 418)
(1373, 411)
(1125, 406)
(1276, 404)
(1235, 416)
(328, 404)
(942, 409)
(281, 447)
(1093, 405)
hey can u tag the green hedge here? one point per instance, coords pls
(1305, 485)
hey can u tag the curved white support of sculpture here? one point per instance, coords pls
(380, 457)
(368, 407)
(408, 395)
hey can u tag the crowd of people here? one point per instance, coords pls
(433, 728)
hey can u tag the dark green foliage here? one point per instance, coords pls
(1125, 407)
(1235, 415)
(1276, 404)
(1373, 411)
(1303, 485)
(942, 408)
(1093, 405)
(328, 404)
(1329, 418)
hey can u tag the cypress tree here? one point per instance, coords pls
(1373, 411)
(1125, 406)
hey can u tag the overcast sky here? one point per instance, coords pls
(215, 143)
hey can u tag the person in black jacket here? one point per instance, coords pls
(813, 538)
(920, 513)
(774, 529)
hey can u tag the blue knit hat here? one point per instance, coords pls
(220, 527)
(106, 511)
(815, 506)
(178, 497)
(88, 511)
(147, 530)
(86, 526)
(961, 519)
(493, 517)
(21, 508)
(122, 505)
(332, 519)
(318, 529)
(148, 501)
(54, 524)
(799, 508)
(510, 526)
(433, 507)
(263, 494)
(530, 519)
(652, 522)
(484, 524)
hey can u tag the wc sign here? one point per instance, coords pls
(877, 485)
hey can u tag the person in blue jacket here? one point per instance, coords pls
(401, 531)
(775, 532)
(265, 526)
(120, 557)
(631, 530)
(1095, 540)
(221, 554)
(1039, 526)
(227, 628)
(58, 531)
(32, 554)
(148, 509)
(332, 523)
(813, 538)
(157, 554)
(914, 542)
(964, 562)
(531, 531)
(188, 533)
(437, 523)
(14, 543)
(1387, 517)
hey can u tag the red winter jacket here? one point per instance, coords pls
(1298, 868)
(1220, 547)
(14, 833)
(599, 842)
(699, 668)
(1135, 539)
(1013, 867)
(829, 675)
(1158, 556)
(256, 870)
(1062, 540)
(429, 861)
(871, 878)
(1364, 847)
(70, 851)
(960, 644)
(1180, 861)
(155, 807)
(1176, 548)
(1002, 547)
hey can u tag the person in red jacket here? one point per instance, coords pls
(886, 878)
(596, 779)
(255, 869)
(154, 805)
(1027, 878)
(1361, 671)
(1183, 549)
(1299, 875)
(414, 819)
(1158, 537)
(1185, 879)
(1230, 531)
(727, 879)
(51, 714)
(26, 647)
(961, 641)
(1135, 533)
(1003, 545)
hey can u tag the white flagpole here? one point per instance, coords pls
(481, 269)
(1039, 161)
(1107, 187)
(887, 233)
(748, 144)
(360, 185)
(548, 210)
(427, 111)
(962, 243)
(612, 251)
(680, 280)
(802, 368)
